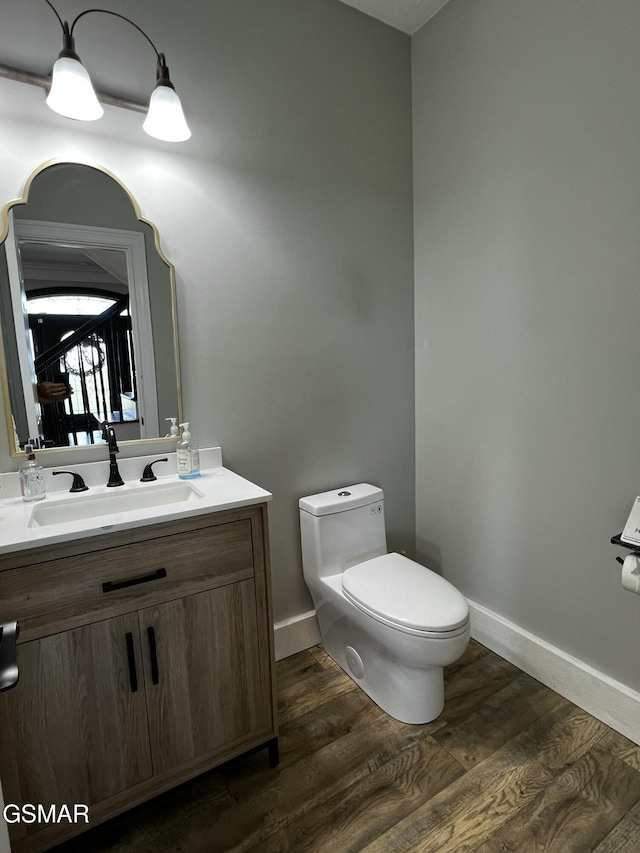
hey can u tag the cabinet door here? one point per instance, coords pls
(206, 671)
(74, 730)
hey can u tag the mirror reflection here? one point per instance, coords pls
(87, 305)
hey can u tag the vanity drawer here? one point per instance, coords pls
(65, 593)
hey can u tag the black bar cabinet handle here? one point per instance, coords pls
(9, 672)
(133, 676)
(110, 586)
(153, 654)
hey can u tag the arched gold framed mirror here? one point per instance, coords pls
(87, 313)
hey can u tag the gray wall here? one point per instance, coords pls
(527, 215)
(288, 217)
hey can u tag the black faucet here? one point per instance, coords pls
(147, 475)
(108, 433)
(78, 484)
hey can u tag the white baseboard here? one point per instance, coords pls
(296, 634)
(604, 698)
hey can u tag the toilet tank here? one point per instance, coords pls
(341, 528)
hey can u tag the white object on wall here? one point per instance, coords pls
(631, 532)
(631, 573)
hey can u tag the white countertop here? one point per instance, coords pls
(216, 489)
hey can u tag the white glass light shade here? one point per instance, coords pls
(71, 92)
(165, 119)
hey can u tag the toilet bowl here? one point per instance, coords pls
(390, 623)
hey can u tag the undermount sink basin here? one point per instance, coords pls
(116, 501)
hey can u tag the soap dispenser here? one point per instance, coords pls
(31, 473)
(174, 432)
(188, 456)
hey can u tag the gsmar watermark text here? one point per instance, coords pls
(39, 813)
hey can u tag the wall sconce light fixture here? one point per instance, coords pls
(71, 93)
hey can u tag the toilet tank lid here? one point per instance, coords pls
(340, 500)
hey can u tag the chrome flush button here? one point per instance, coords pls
(344, 494)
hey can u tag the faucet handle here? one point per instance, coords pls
(109, 435)
(78, 484)
(148, 476)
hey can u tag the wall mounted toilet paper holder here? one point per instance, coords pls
(616, 540)
(630, 565)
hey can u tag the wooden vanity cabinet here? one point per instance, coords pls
(145, 657)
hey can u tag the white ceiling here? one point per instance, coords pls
(405, 15)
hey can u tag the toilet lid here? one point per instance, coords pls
(402, 592)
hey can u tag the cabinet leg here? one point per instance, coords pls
(274, 752)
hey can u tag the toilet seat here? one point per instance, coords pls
(406, 596)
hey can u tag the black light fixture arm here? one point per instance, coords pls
(115, 15)
(67, 32)
(67, 38)
(63, 24)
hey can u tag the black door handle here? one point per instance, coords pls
(131, 657)
(153, 654)
(9, 672)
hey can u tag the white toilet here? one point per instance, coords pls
(389, 622)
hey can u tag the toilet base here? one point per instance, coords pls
(411, 696)
(407, 692)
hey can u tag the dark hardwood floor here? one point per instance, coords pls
(509, 766)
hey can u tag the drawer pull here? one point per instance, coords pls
(110, 586)
(153, 654)
(133, 676)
